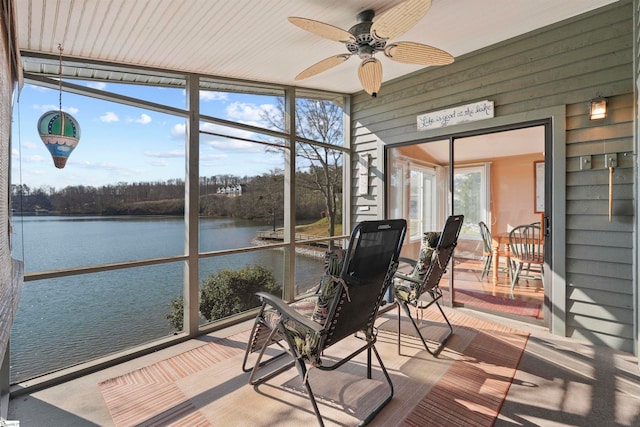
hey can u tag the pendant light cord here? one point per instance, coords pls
(60, 76)
(60, 89)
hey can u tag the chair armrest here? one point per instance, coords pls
(288, 312)
(407, 278)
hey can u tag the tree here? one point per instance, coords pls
(228, 292)
(317, 120)
(268, 192)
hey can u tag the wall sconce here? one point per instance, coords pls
(598, 109)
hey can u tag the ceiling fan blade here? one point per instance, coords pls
(417, 53)
(370, 75)
(321, 29)
(323, 65)
(399, 19)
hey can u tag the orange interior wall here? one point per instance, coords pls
(512, 192)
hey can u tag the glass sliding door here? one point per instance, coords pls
(418, 189)
(490, 179)
(493, 183)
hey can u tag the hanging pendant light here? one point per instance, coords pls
(59, 131)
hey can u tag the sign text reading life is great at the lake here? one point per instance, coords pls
(453, 116)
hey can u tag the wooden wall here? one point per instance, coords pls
(565, 64)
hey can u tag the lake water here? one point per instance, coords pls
(64, 321)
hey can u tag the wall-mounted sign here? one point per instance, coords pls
(453, 116)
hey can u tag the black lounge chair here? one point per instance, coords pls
(424, 280)
(346, 305)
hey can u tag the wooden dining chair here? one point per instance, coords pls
(527, 253)
(488, 251)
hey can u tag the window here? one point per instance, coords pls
(422, 202)
(119, 208)
(471, 192)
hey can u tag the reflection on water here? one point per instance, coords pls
(64, 321)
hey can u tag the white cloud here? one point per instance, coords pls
(52, 107)
(213, 157)
(212, 96)
(38, 88)
(230, 143)
(160, 163)
(97, 85)
(234, 139)
(179, 131)
(29, 145)
(33, 159)
(106, 166)
(109, 117)
(274, 159)
(45, 107)
(246, 112)
(165, 154)
(144, 119)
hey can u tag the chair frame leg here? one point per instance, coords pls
(518, 269)
(300, 364)
(407, 310)
(259, 363)
(515, 275)
(486, 267)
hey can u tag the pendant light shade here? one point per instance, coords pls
(370, 74)
(60, 133)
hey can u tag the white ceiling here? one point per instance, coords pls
(252, 39)
(489, 146)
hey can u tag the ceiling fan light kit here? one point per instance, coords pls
(369, 36)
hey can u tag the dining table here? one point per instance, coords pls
(500, 243)
(500, 248)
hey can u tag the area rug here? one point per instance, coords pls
(473, 389)
(497, 304)
(465, 385)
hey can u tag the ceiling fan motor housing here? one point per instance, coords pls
(365, 45)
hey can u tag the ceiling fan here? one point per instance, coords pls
(369, 36)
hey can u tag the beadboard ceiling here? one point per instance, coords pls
(253, 40)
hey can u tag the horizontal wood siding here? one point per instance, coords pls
(568, 64)
(599, 255)
(636, 55)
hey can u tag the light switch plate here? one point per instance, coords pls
(585, 163)
(611, 160)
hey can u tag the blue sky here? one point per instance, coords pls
(119, 143)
